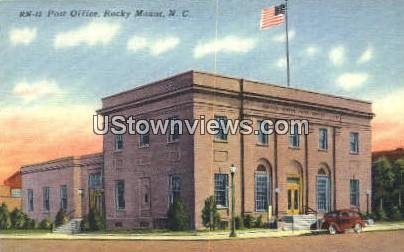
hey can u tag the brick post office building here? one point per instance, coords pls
(276, 175)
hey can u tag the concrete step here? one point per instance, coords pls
(71, 227)
(298, 222)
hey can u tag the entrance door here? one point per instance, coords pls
(293, 196)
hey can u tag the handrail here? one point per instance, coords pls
(70, 213)
(311, 210)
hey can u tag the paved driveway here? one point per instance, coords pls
(371, 241)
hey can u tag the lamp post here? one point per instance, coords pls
(233, 200)
(368, 192)
(277, 190)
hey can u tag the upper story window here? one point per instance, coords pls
(120, 194)
(174, 130)
(16, 193)
(262, 137)
(221, 190)
(63, 197)
(294, 139)
(354, 192)
(222, 121)
(30, 200)
(175, 188)
(46, 201)
(95, 180)
(144, 140)
(323, 139)
(118, 142)
(354, 142)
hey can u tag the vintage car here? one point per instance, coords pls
(341, 220)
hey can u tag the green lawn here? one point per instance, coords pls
(24, 231)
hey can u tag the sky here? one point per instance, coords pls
(54, 70)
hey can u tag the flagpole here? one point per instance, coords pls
(287, 43)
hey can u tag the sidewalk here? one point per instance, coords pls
(188, 236)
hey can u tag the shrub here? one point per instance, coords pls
(45, 224)
(61, 218)
(177, 216)
(381, 214)
(30, 223)
(5, 220)
(258, 222)
(395, 213)
(239, 222)
(249, 221)
(18, 219)
(210, 215)
(93, 221)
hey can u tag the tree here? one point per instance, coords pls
(177, 216)
(398, 168)
(5, 220)
(210, 215)
(383, 178)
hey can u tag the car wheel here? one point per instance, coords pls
(332, 230)
(358, 228)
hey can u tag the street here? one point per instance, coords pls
(370, 241)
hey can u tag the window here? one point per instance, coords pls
(118, 142)
(30, 198)
(221, 190)
(323, 139)
(175, 188)
(120, 194)
(261, 191)
(63, 197)
(175, 136)
(354, 191)
(221, 135)
(46, 202)
(354, 142)
(323, 193)
(95, 180)
(262, 137)
(144, 140)
(16, 193)
(294, 139)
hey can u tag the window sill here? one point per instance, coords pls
(173, 142)
(118, 151)
(222, 207)
(353, 153)
(322, 150)
(219, 141)
(262, 145)
(144, 146)
(294, 148)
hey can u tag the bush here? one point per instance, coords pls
(239, 222)
(30, 224)
(249, 221)
(258, 222)
(61, 218)
(395, 213)
(45, 224)
(5, 220)
(177, 216)
(18, 219)
(93, 221)
(380, 215)
(210, 215)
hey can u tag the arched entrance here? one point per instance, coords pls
(294, 189)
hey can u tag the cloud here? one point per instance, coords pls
(281, 63)
(155, 47)
(35, 90)
(349, 81)
(22, 36)
(337, 55)
(37, 133)
(388, 124)
(311, 51)
(282, 38)
(366, 56)
(228, 44)
(92, 34)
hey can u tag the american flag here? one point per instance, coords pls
(272, 16)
